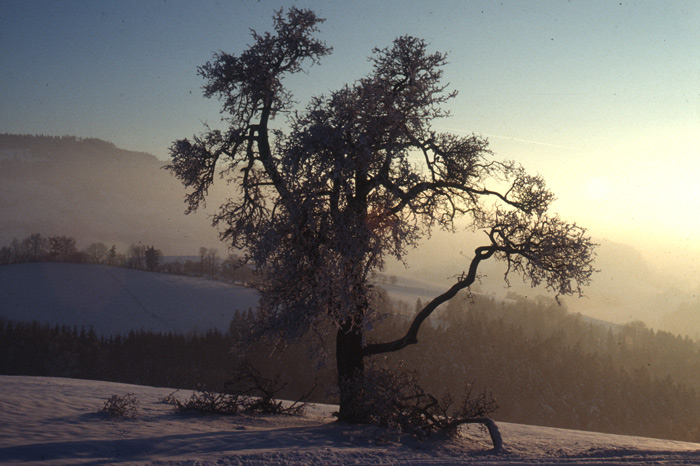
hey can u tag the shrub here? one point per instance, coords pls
(395, 399)
(121, 407)
(247, 392)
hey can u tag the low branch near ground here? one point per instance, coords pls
(491, 426)
(248, 392)
(392, 397)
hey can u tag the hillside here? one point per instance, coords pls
(116, 300)
(94, 191)
(55, 421)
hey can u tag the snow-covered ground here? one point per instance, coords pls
(116, 300)
(55, 421)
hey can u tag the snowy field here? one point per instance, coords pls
(53, 421)
(117, 300)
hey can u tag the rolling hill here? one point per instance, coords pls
(95, 192)
(117, 300)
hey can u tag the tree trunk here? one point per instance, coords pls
(351, 371)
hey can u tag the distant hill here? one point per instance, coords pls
(94, 191)
(117, 300)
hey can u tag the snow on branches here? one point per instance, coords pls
(357, 176)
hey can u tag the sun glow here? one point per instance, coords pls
(598, 188)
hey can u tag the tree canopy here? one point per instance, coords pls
(357, 176)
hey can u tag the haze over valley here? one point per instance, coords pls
(93, 191)
(96, 192)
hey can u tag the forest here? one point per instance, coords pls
(542, 364)
(545, 366)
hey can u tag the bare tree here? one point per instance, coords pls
(5, 255)
(62, 248)
(16, 251)
(235, 268)
(35, 246)
(203, 254)
(137, 253)
(96, 252)
(212, 262)
(112, 255)
(360, 175)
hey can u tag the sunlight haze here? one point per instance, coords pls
(600, 98)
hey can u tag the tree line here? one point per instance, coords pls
(543, 365)
(62, 248)
(43, 139)
(196, 360)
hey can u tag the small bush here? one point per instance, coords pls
(169, 399)
(207, 401)
(247, 392)
(121, 407)
(394, 399)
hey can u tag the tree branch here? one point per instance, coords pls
(411, 337)
(417, 189)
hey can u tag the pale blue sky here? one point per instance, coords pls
(601, 98)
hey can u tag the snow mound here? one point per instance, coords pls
(55, 421)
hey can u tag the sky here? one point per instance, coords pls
(600, 98)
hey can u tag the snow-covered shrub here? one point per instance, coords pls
(393, 398)
(207, 401)
(247, 392)
(121, 407)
